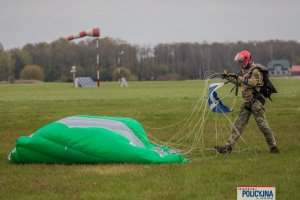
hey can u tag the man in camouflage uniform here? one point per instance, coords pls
(250, 82)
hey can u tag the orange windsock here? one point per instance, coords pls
(95, 32)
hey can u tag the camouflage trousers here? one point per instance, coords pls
(258, 112)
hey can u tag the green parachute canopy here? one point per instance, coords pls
(91, 139)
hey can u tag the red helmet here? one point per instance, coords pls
(243, 56)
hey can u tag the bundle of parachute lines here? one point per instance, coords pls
(98, 139)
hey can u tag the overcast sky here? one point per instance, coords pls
(149, 22)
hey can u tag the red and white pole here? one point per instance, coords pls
(95, 32)
(98, 65)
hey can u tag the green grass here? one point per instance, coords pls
(25, 108)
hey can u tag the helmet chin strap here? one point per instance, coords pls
(247, 66)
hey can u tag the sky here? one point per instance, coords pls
(149, 22)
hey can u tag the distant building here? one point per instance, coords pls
(295, 70)
(279, 68)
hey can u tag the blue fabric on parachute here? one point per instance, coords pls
(214, 102)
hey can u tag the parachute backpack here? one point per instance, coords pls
(268, 88)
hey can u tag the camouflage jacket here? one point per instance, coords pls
(251, 79)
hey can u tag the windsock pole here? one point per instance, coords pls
(98, 65)
(95, 32)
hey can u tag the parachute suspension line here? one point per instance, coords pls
(223, 97)
(185, 129)
(201, 131)
(199, 137)
(198, 141)
(179, 133)
(240, 136)
(222, 127)
(189, 122)
(197, 131)
(152, 138)
(190, 138)
(188, 119)
(183, 138)
(218, 124)
(179, 139)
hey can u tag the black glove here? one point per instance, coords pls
(225, 76)
(233, 76)
(228, 76)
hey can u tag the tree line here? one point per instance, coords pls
(159, 62)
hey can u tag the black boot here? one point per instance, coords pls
(224, 150)
(274, 149)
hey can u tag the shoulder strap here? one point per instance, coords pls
(251, 71)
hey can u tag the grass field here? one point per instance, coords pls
(26, 107)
